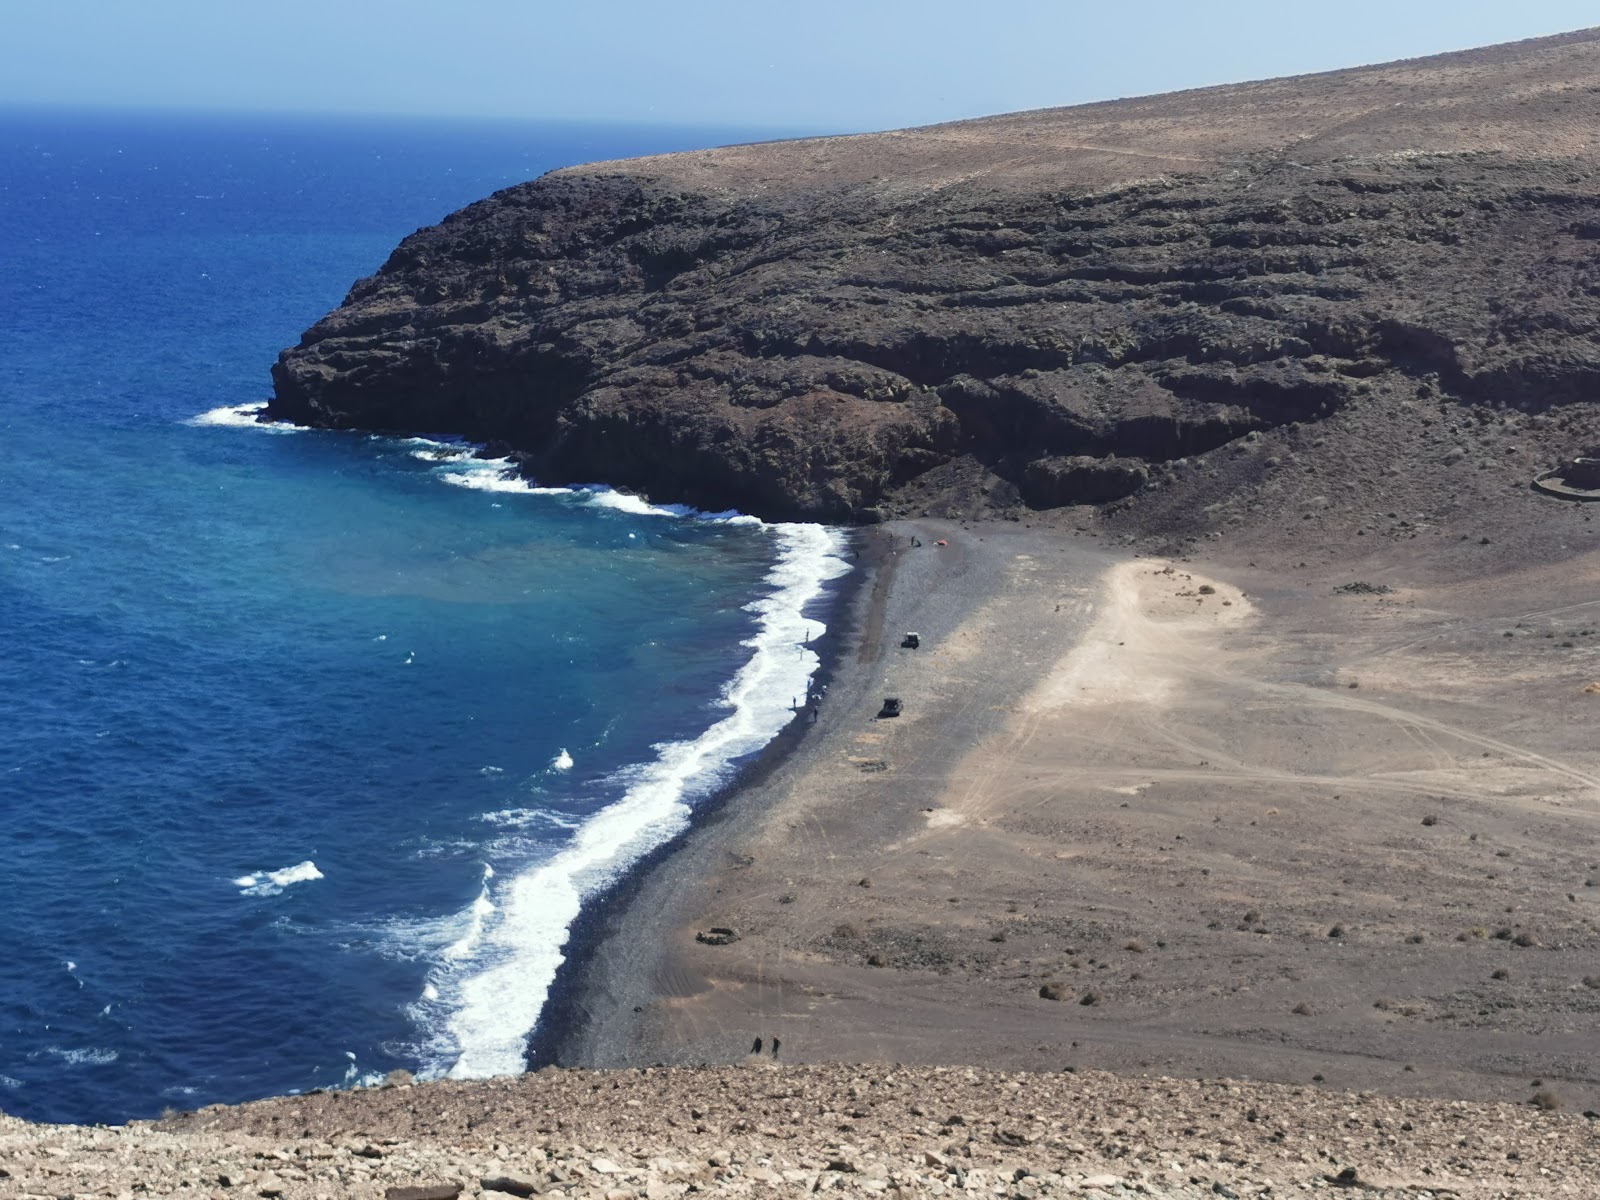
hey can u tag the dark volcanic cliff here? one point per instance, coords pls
(1042, 309)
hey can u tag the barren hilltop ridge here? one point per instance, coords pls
(1046, 308)
(1238, 834)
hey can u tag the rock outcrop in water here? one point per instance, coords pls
(1042, 309)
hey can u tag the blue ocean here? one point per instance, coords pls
(314, 743)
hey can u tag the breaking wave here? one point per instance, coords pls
(270, 883)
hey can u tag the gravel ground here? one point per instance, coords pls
(838, 1129)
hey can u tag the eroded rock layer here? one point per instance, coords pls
(1032, 310)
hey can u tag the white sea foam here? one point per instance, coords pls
(489, 481)
(484, 474)
(527, 818)
(606, 497)
(484, 1004)
(7, 1082)
(270, 883)
(480, 912)
(243, 416)
(440, 452)
(88, 1056)
(562, 761)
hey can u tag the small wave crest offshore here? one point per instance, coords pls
(485, 995)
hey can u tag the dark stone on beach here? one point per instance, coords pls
(509, 1184)
(436, 1191)
(1053, 991)
(717, 935)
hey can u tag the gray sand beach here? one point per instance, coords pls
(1154, 816)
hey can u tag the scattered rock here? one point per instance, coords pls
(512, 1185)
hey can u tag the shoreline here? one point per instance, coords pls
(564, 1018)
(561, 1012)
(628, 966)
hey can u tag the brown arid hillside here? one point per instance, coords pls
(1386, 277)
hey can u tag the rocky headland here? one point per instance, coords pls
(1047, 309)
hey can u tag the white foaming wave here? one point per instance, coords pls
(488, 1004)
(500, 475)
(270, 883)
(88, 1056)
(482, 909)
(440, 452)
(7, 1082)
(562, 761)
(602, 496)
(607, 497)
(523, 818)
(243, 416)
(489, 481)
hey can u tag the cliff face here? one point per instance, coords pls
(1036, 310)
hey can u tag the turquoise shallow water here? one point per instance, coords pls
(313, 743)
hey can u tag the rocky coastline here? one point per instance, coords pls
(1010, 315)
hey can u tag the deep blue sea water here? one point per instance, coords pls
(312, 743)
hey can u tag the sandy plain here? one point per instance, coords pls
(1187, 817)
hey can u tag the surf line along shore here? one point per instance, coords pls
(632, 992)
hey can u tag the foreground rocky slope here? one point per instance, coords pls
(1038, 310)
(850, 1130)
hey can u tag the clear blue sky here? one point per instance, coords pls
(811, 64)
